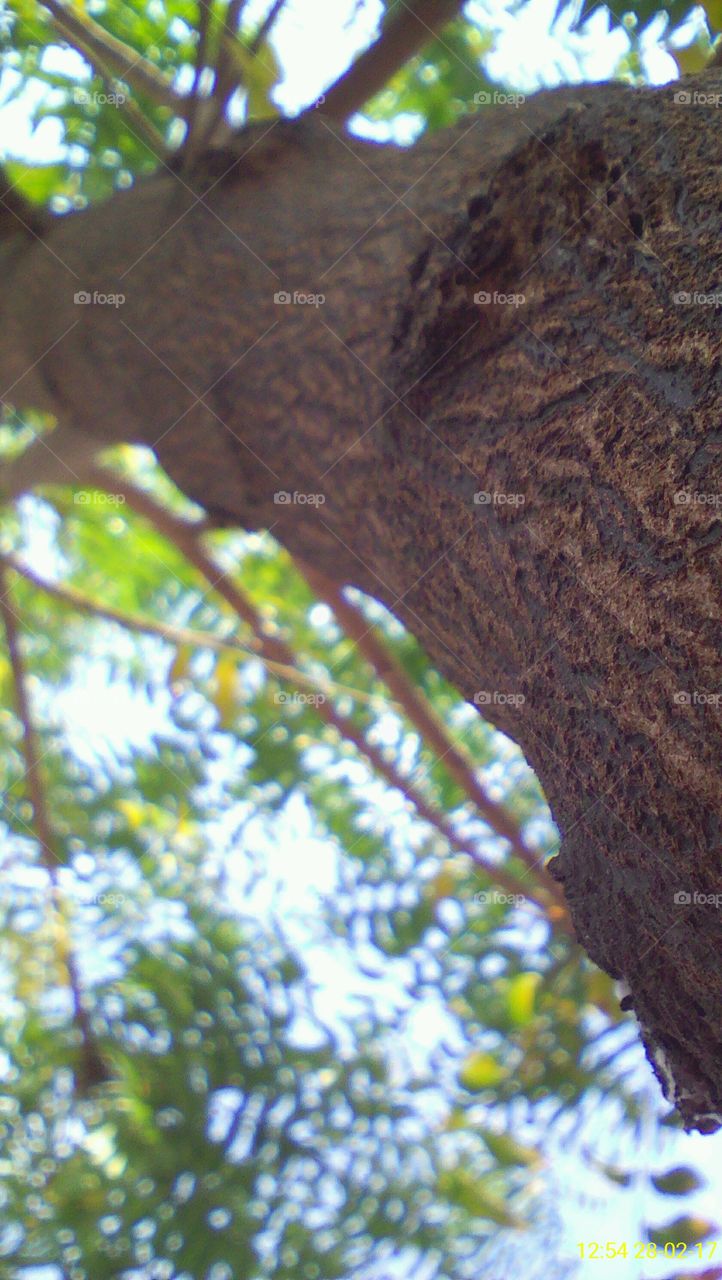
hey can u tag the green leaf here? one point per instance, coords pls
(695, 56)
(38, 183)
(521, 997)
(677, 1182)
(685, 1230)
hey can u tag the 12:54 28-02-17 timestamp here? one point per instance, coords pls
(608, 1249)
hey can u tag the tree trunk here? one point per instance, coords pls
(493, 401)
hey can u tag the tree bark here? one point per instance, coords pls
(503, 420)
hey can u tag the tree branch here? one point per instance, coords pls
(413, 27)
(137, 121)
(61, 456)
(74, 599)
(226, 77)
(94, 41)
(185, 536)
(33, 777)
(194, 102)
(422, 714)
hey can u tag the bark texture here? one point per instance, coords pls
(533, 485)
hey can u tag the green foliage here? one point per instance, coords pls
(439, 84)
(223, 1137)
(642, 10)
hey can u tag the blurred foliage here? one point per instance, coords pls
(105, 150)
(242, 1125)
(371, 1078)
(237, 1135)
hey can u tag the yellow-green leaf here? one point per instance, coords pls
(713, 9)
(226, 689)
(180, 666)
(481, 1071)
(507, 1151)
(521, 997)
(695, 56)
(443, 884)
(456, 1119)
(258, 74)
(134, 813)
(470, 1193)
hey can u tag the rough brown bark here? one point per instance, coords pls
(578, 601)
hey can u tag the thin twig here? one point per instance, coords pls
(93, 1069)
(412, 28)
(204, 26)
(265, 26)
(229, 30)
(177, 636)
